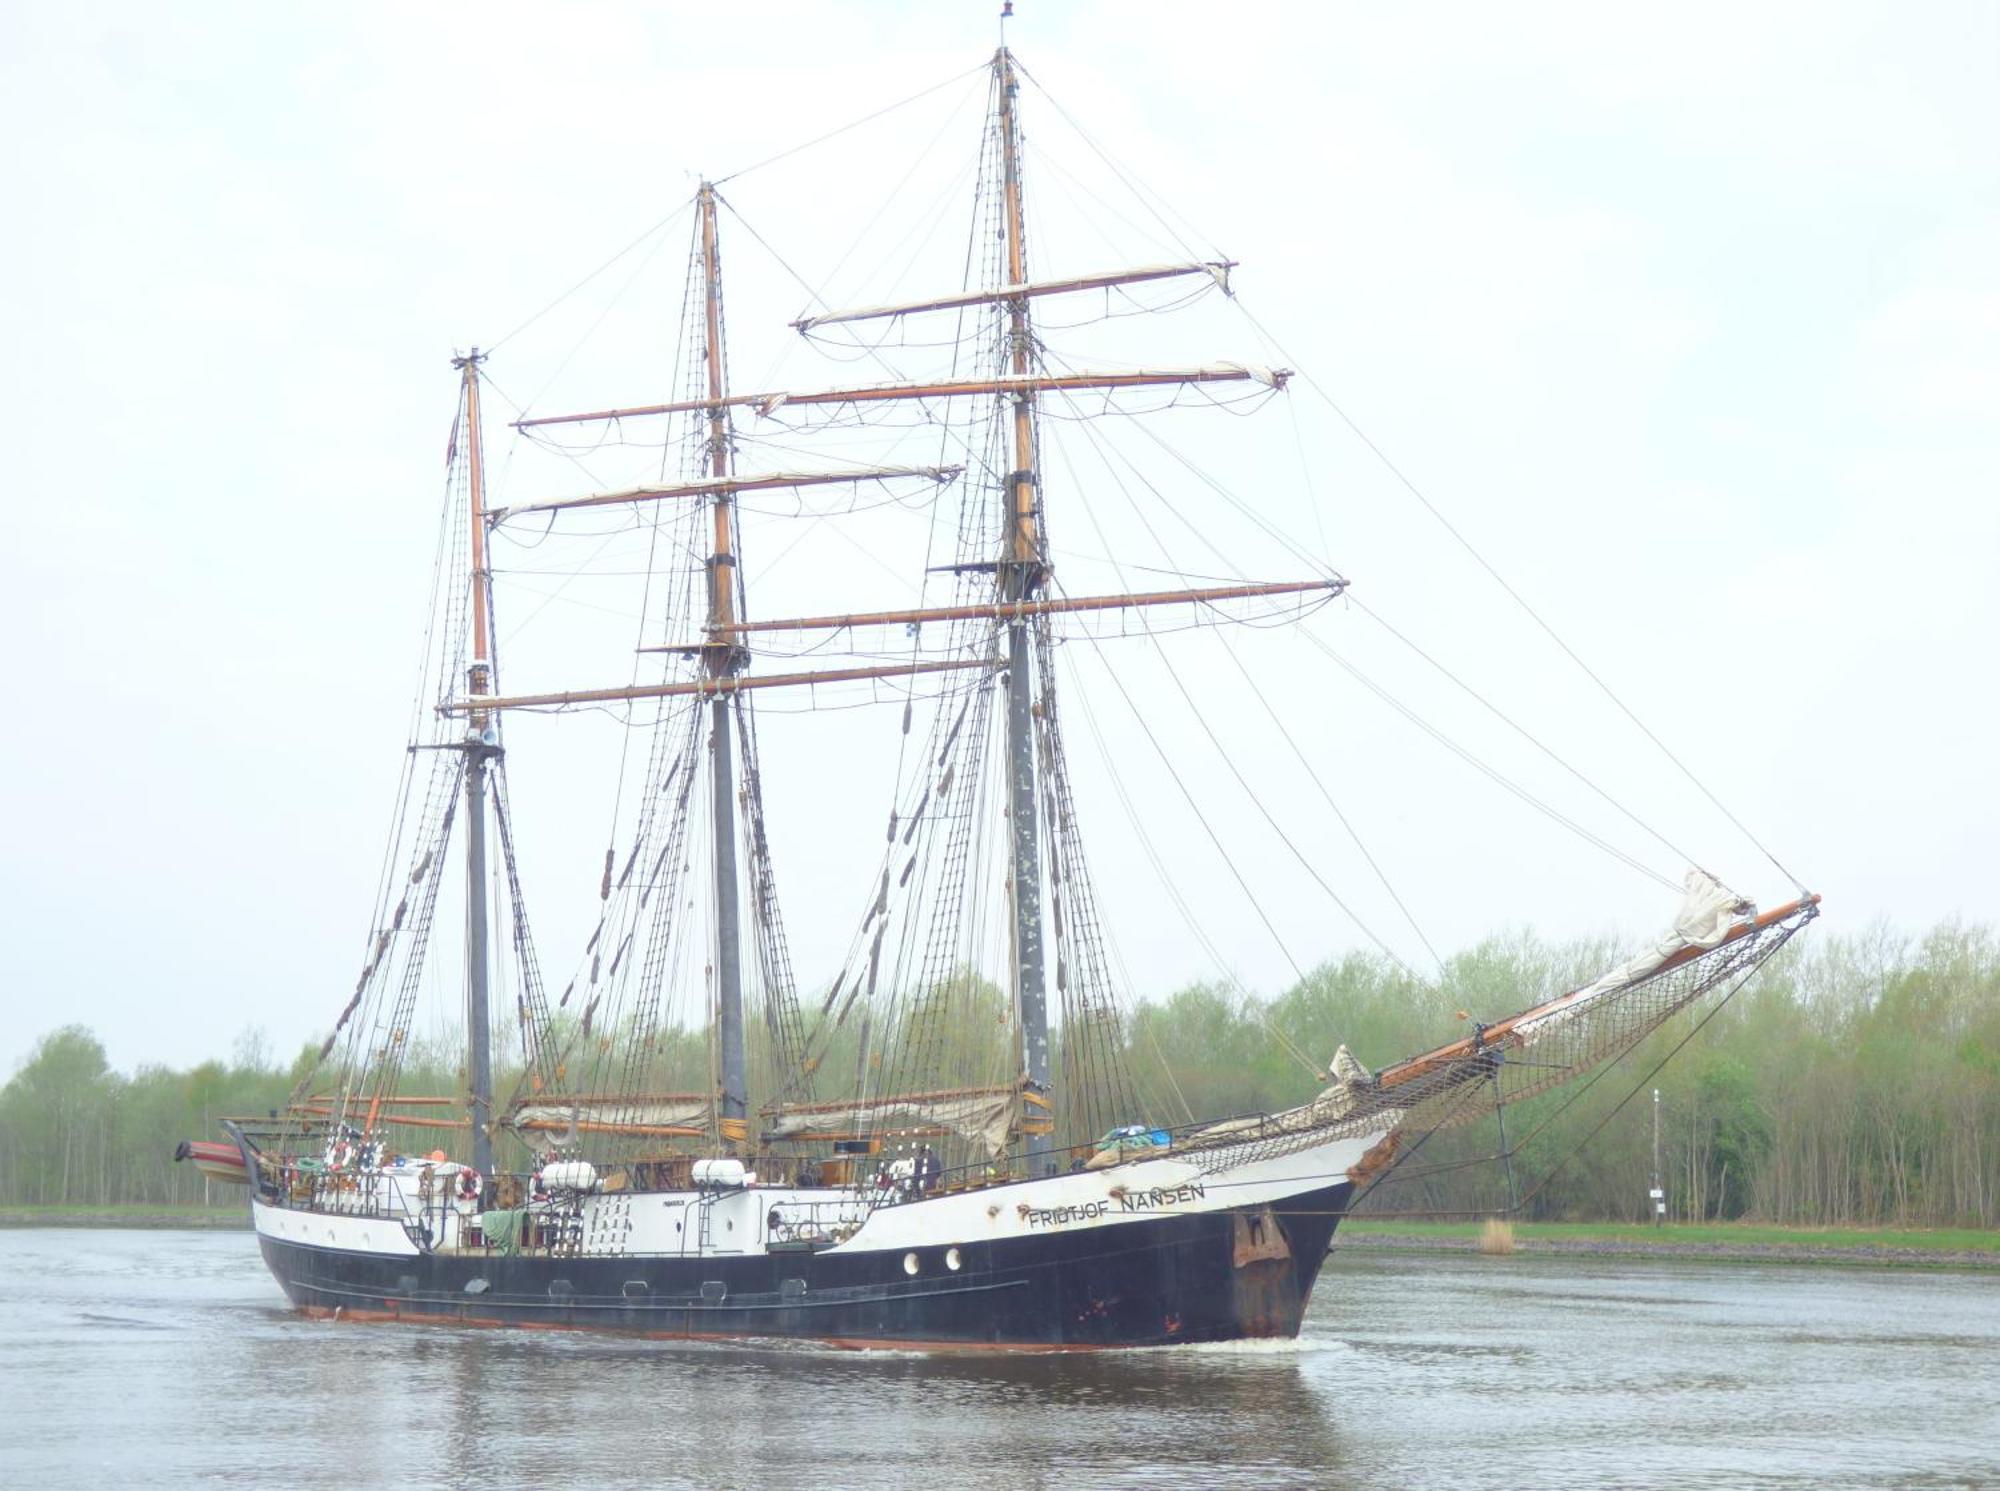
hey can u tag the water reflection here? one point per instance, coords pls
(588, 1410)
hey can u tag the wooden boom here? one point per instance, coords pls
(727, 684)
(767, 403)
(1218, 270)
(724, 486)
(1013, 610)
(602, 1126)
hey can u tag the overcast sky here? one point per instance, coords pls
(1688, 318)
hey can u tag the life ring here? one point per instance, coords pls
(468, 1185)
(343, 1152)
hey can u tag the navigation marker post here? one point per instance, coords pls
(1659, 1195)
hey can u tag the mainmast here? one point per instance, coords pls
(481, 747)
(723, 656)
(1020, 577)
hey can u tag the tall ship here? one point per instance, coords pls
(941, 1141)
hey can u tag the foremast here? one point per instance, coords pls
(481, 747)
(723, 656)
(1020, 579)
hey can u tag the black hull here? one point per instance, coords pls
(1208, 1276)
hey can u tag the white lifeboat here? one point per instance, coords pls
(574, 1176)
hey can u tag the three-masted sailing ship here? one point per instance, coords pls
(916, 1153)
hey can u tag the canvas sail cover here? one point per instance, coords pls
(1709, 910)
(688, 1110)
(1343, 1094)
(984, 1115)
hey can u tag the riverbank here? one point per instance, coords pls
(220, 1218)
(1726, 1242)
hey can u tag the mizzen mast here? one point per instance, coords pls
(723, 657)
(1019, 578)
(481, 748)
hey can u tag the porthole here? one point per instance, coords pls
(910, 1264)
(952, 1260)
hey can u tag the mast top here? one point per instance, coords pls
(470, 359)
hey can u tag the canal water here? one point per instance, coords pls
(143, 1359)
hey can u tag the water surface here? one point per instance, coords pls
(139, 1359)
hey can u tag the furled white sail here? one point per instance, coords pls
(982, 1115)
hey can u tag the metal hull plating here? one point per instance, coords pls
(1206, 1276)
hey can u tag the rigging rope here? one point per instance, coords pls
(771, 160)
(1352, 833)
(1395, 1175)
(1519, 600)
(1521, 730)
(1256, 904)
(1147, 626)
(664, 222)
(1133, 186)
(1125, 178)
(1463, 752)
(1490, 772)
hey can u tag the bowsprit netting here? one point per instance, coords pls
(1505, 1062)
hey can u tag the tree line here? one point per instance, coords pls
(1855, 1081)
